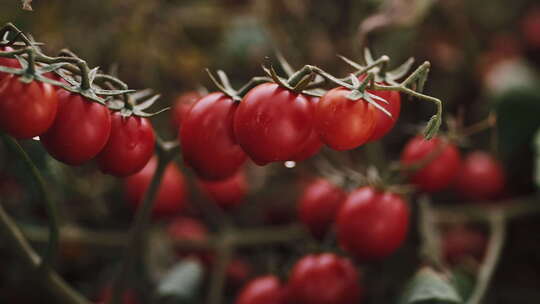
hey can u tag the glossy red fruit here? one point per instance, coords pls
(383, 122)
(319, 204)
(182, 105)
(262, 290)
(440, 161)
(481, 177)
(238, 272)
(26, 110)
(372, 224)
(324, 279)
(8, 62)
(344, 124)
(207, 138)
(79, 132)
(530, 27)
(273, 123)
(227, 193)
(313, 143)
(130, 146)
(171, 196)
(460, 243)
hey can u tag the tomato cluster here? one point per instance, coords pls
(72, 128)
(314, 279)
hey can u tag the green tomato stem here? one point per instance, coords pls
(52, 209)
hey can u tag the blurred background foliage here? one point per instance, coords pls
(483, 59)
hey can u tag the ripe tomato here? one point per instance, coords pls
(262, 290)
(319, 204)
(238, 272)
(79, 132)
(313, 143)
(324, 279)
(481, 177)
(344, 124)
(461, 242)
(440, 159)
(26, 110)
(184, 228)
(171, 196)
(130, 146)
(207, 138)
(8, 62)
(372, 224)
(530, 27)
(383, 122)
(273, 123)
(227, 193)
(182, 105)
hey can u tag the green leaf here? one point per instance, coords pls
(429, 286)
(536, 144)
(432, 127)
(181, 284)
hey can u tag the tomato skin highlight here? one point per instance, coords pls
(182, 105)
(344, 124)
(481, 177)
(318, 205)
(228, 193)
(440, 172)
(171, 196)
(207, 138)
(371, 224)
(324, 279)
(262, 290)
(79, 132)
(130, 146)
(273, 123)
(26, 110)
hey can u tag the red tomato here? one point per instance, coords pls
(130, 146)
(79, 132)
(26, 110)
(273, 123)
(530, 27)
(182, 105)
(324, 279)
(481, 177)
(129, 296)
(207, 138)
(441, 162)
(460, 243)
(262, 290)
(227, 193)
(383, 122)
(319, 204)
(171, 196)
(8, 62)
(344, 124)
(313, 143)
(238, 272)
(184, 228)
(371, 224)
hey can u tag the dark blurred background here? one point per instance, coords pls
(485, 57)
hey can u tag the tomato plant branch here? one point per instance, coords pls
(52, 210)
(431, 249)
(497, 225)
(51, 280)
(225, 251)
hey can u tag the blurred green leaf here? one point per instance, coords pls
(430, 287)
(464, 282)
(181, 284)
(517, 120)
(536, 144)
